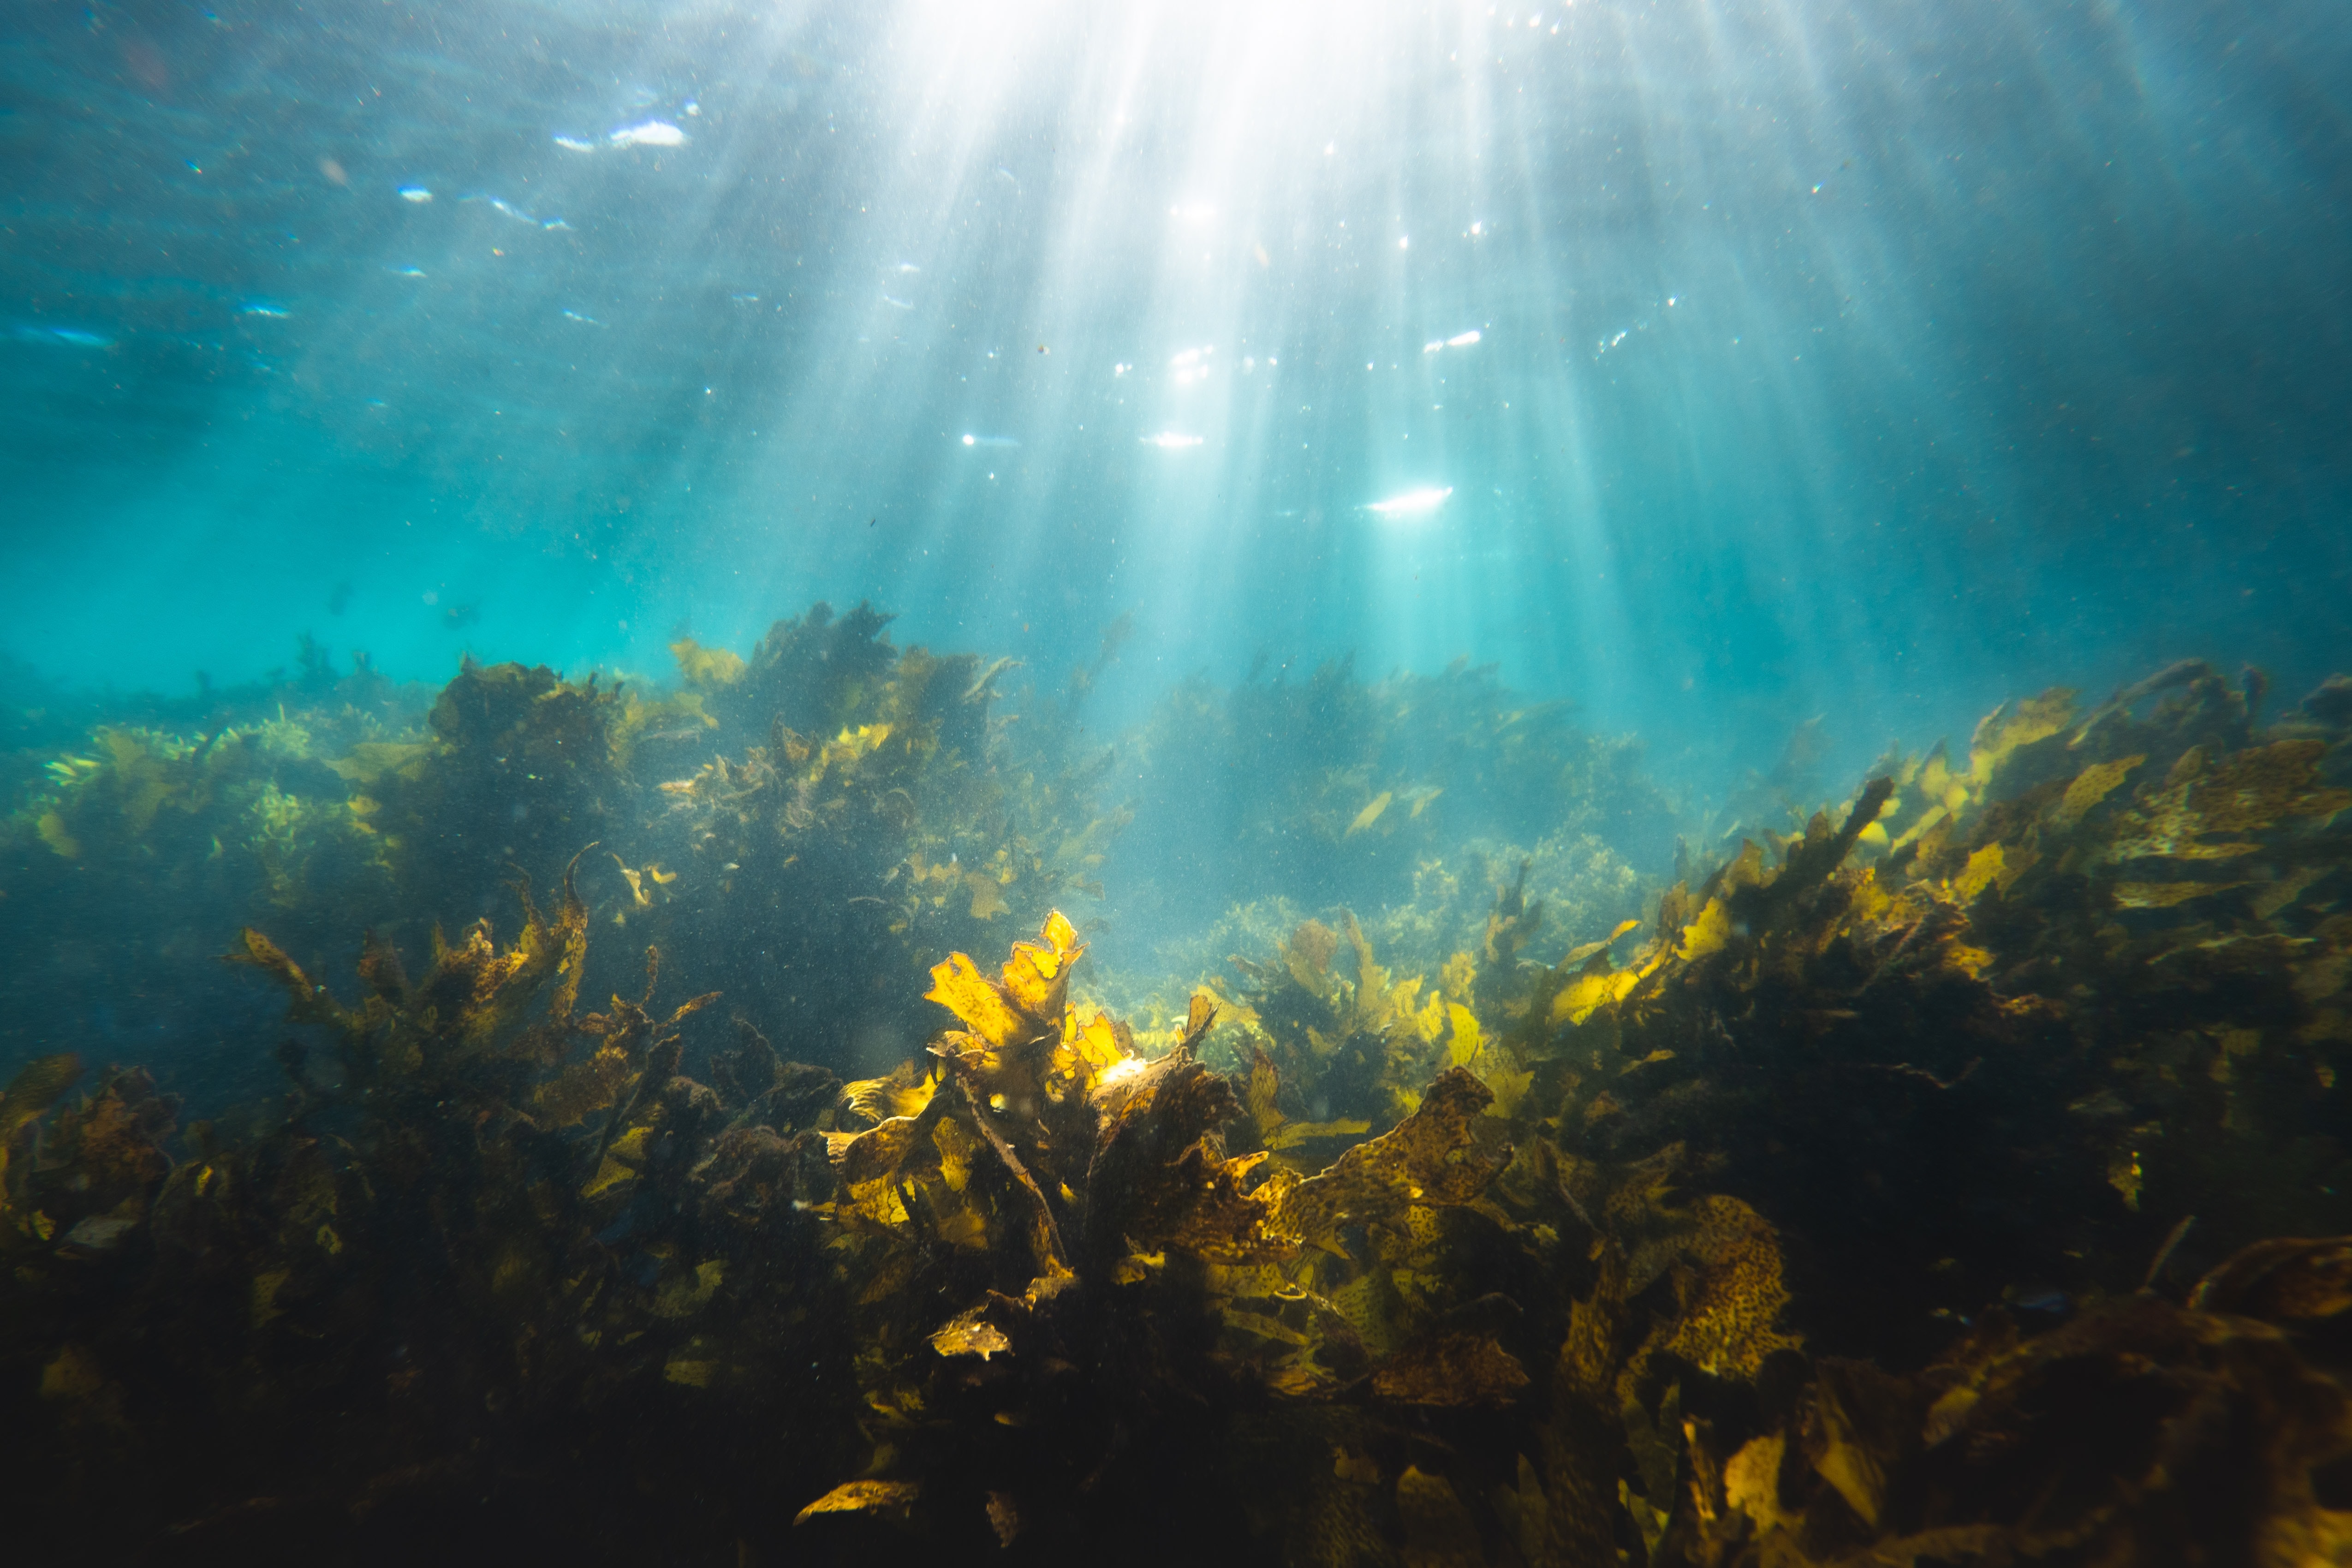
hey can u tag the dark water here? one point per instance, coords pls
(1363, 470)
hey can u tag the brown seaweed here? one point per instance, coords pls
(1839, 1212)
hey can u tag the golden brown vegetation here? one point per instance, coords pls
(1959, 1178)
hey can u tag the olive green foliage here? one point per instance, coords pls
(483, 1229)
(130, 854)
(1956, 1173)
(814, 676)
(517, 768)
(2034, 1029)
(874, 808)
(831, 789)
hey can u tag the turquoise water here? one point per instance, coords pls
(1875, 360)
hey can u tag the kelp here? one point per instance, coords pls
(874, 806)
(1948, 1035)
(132, 852)
(454, 1239)
(828, 774)
(234, 813)
(2142, 1431)
(818, 674)
(517, 768)
(1342, 1047)
(1080, 1199)
(1954, 1176)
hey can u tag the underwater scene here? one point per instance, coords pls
(1561, 783)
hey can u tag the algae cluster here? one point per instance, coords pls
(832, 791)
(1956, 1176)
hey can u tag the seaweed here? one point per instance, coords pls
(454, 1231)
(1347, 1046)
(903, 825)
(816, 675)
(136, 841)
(517, 768)
(2142, 1431)
(1082, 1201)
(1955, 1173)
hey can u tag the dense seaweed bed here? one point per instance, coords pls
(1956, 1174)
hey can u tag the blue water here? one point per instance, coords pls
(1876, 361)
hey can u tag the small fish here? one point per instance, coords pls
(78, 337)
(263, 308)
(1370, 815)
(744, 299)
(896, 303)
(650, 133)
(408, 272)
(584, 320)
(460, 616)
(553, 223)
(512, 211)
(1421, 795)
(990, 441)
(417, 194)
(575, 144)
